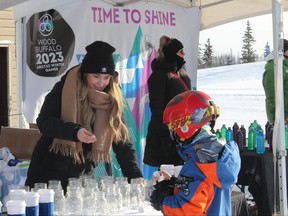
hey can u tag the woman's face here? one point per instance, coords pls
(286, 53)
(98, 81)
(181, 53)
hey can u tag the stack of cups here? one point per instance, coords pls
(32, 203)
(46, 202)
(16, 207)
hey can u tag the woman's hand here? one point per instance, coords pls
(86, 136)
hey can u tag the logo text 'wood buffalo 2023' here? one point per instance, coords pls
(50, 43)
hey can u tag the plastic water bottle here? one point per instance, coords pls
(255, 125)
(270, 138)
(218, 133)
(267, 125)
(229, 134)
(239, 138)
(223, 131)
(260, 141)
(243, 131)
(251, 138)
(270, 127)
(235, 129)
(286, 136)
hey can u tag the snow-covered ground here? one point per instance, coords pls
(238, 91)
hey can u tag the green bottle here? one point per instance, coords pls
(255, 126)
(223, 131)
(251, 138)
(218, 133)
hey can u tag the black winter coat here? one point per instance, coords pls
(45, 166)
(163, 86)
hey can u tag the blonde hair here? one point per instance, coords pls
(116, 118)
(163, 41)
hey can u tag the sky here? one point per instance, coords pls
(228, 37)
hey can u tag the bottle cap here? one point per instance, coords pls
(46, 195)
(32, 198)
(16, 207)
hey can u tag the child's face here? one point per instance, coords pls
(98, 81)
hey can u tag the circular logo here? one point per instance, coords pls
(50, 43)
(45, 25)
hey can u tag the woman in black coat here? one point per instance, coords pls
(81, 120)
(166, 81)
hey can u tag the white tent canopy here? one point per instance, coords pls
(213, 12)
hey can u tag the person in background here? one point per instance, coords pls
(168, 79)
(211, 167)
(80, 120)
(268, 84)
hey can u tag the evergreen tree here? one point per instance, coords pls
(200, 56)
(266, 49)
(248, 53)
(208, 54)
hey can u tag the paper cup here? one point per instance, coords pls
(177, 170)
(169, 168)
(16, 207)
(157, 177)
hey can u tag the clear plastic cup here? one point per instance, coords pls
(169, 168)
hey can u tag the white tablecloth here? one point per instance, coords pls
(147, 209)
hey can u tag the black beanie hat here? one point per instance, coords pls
(170, 51)
(98, 59)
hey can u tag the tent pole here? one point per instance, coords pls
(279, 151)
(20, 61)
(19, 71)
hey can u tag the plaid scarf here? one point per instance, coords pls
(71, 112)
